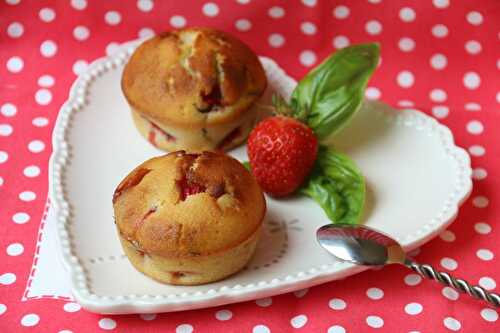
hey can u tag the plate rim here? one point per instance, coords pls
(61, 153)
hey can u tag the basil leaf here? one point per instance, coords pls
(246, 164)
(328, 96)
(337, 185)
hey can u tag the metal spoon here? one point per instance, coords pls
(362, 245)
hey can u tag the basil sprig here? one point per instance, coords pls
(328, 96)
(337, 185)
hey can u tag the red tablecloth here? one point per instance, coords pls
(440, 56)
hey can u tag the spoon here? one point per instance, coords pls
(365, 246)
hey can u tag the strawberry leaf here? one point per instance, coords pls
(337, 185)
(328, 96)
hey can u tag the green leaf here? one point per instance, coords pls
(246, 164)
(328, 96)
(337, 185)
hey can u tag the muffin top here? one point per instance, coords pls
(185, 205)
(192, 77)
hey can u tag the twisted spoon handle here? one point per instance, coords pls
(457, 284)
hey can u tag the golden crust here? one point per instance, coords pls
(171, 77)
(152, 214)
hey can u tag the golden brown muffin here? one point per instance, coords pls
(193, 89)
(189, 218)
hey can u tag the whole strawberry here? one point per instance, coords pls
(282, 151)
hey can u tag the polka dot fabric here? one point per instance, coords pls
(440, 56)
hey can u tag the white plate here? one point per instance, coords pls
(416, 180)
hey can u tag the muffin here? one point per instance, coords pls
(193, 89)
(189, 219)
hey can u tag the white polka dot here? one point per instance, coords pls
(449, 263)
(413, 308)
(340, 42)
(482, 228)
(337, 304)
(406, 104)
(223, 315)
(276, 40)
(30, 320)
(308, 28)
(276, 12)
(374, 321)
(413, 279)
(375, 293)
(46, 81)
(301, 293)
(79, 4)
(475, 127)
(148, 32)
(498, 97)
(15, 249)
(440, 111)
(15, 64)
(3, 308)
(298, 321)
(15, 30)
(309, 3)
(47, 14)
(81, 32)
(479, 173)
(405, 79)
(407, 14)
(48, 48)
(448, 236)
(489, 314)
(452, 324)
(7, 278)
(440, 31)
(472, 107)
(243, 25)
(487, 283)
(480, 201)
(485, 254)
(473, 47)
(5, 130)
(72, 307)
(210, 9)
(145, 5)
(373, 27)
(178, 21)
(79, 67)
(438, 95)
(40, 121)
(112, 48)
(107, 324)
(13, 2)
(475, 18)
(184, 328)
(112, 17)
(148, 316)
(43, 96)
(243, 2)
(264, 302)
(65, 331)
(8, 110)
(450, 293)
(27, 196)
(441, 3)
(3, 156)
(307, 58)
(36, 146)
(31, 171)
(336, 329)
(341, 12)
(471, 80)
(1, 181)
(406, 44)
(20, 218)
(372, 93)
(438, 61)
